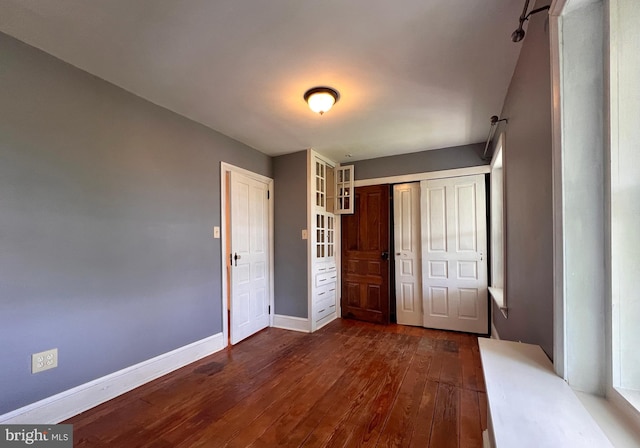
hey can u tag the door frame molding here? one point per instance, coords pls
(224, 169)
(429, 175)
(406, 178)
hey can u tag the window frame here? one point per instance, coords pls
(498, 284)
(566, 341)
(623, 178)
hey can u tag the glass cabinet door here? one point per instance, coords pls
(344, 190)
(321, 184)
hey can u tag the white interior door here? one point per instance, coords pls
(454, 246)
(406, 234)
(249, 257)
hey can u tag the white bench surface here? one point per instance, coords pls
(531, 406)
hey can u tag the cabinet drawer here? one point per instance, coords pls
(324, 291)
(325, 300)
(324, 303)
(325, 311)
(325, 278)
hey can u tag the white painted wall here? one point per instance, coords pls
(625, 191)
(582, 190)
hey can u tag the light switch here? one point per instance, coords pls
(216, 232)
(305, 234)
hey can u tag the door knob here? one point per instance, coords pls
(385, 255)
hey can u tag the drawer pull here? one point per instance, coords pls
(322, 310)
(321, 293)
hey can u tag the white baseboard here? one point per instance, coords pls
(291, 323)
(494, 332)
(71, 402)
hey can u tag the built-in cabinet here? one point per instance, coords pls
(330, 194)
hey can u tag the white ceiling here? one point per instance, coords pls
(412, 74)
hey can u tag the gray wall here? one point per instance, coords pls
(107, 207)
(527, 163)
(421, 162)
(290, 257)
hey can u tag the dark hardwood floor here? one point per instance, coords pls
(349, 384)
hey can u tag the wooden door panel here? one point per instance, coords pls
(365, 271)
(374, 297)
(352, 294)
(374, 268)
(350, 225)
(370, 232)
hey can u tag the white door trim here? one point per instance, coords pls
(406, 178)
(310, 225)
(555, 38)
(224, 169)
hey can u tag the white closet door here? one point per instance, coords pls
(406, 233)
(454, 246)
(250, 257)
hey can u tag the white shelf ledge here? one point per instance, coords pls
(632, 396)
(498, 297)
(615, 425)
(529, 405)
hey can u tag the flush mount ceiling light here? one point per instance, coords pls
(321, 99)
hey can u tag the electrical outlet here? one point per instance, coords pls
(44, 360)
(216, 232)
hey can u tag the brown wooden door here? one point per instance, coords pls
(365, 256)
